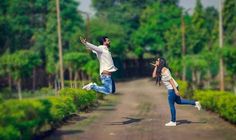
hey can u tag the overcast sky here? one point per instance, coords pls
(187, 4)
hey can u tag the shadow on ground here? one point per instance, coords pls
(128, 121)
(182, 122)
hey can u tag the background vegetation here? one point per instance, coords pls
(139, 33)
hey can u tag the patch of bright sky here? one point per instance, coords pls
(85, 5)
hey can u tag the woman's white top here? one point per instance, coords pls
(104, 57)
(166, 77)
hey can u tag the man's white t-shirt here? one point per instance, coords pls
(104, 57)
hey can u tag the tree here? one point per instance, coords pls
(129, 21)
(155, 21)
(229, 27)
(229, 21)
(101, 27)
(75, 62)
(211, 25)
(4, 27)
(19, 65)
(197, 64)
(46, 37)
(198, 30)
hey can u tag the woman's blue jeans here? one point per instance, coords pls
(172, 99)
(107, 87)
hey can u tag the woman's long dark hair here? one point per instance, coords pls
(162, 63)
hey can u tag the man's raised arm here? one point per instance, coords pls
(90, 46)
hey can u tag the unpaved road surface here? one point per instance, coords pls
(139, 111)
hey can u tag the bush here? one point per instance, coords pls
(82, 99)
(22, 119)
(60, 107)
(28, 116)
(47, 90)
(9, 133)
(227, 107)
(183, 85)
(223, 103)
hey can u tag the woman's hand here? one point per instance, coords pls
(177, 93)
(157, 63)
(153, 64)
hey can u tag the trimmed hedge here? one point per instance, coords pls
(183, 85)
(82, 99)
(22, 119)
(223, 103)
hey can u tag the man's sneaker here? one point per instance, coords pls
(170, 123)
(95, 84)
(198, 105)
(88, 86)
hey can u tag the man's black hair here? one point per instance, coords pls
(102, 40)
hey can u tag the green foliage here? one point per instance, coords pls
(223, 103)
(229, 21)
(196, 62)
(46, 90)
(46, 38)
(174, 42)
(24, 116)
(24, 119)
(101, 27)
(92, 68)
(81, 98)
(229, 56)
(76, 60)
(78, 83)
(19, 64)
(139, 52)
(203, 61)
(9, 133)
(112, 11)
(150, 34)
(211, 17)
(198, 31)
(183, 85)
(61, 107)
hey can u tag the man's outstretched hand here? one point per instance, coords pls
(83, 40)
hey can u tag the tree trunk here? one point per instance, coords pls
(70, 76)
(208, 86)
(184, 73)
(193, 79)
(198, 76)
(75, 79)
(19, 89)
(82, 77)
(55, 86)
(234, 84)
(222, 85)
(49, 80)
(34, 79)
(9, 82)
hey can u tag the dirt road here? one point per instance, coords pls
(139, 112)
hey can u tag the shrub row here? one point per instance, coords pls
(223, 103)
(81, 98)
(183, 85)
(21, 120)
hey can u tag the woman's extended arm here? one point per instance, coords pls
(166, 71)
(174, 87)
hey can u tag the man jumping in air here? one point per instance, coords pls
(106, 66)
